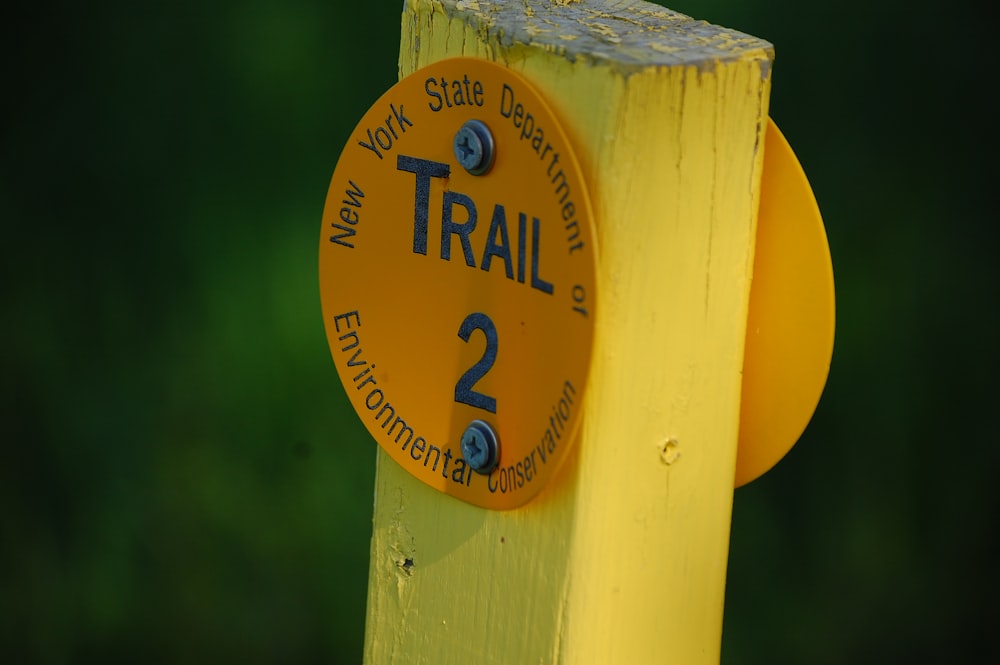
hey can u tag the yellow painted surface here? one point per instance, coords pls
(622, 558)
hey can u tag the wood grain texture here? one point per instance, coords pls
(622, 558)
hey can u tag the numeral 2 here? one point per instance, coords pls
(463, 389)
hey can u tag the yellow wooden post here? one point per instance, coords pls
(622, 558)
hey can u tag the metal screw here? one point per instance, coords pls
(480, 447)
(474, 147)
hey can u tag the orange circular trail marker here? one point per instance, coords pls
(790, 327)
(450, 298)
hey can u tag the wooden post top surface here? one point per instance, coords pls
(627, 34)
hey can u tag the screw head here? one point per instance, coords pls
(480, 447)
(474, 147)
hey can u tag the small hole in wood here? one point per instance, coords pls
(669, 452)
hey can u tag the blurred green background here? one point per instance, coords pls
(182, 479)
